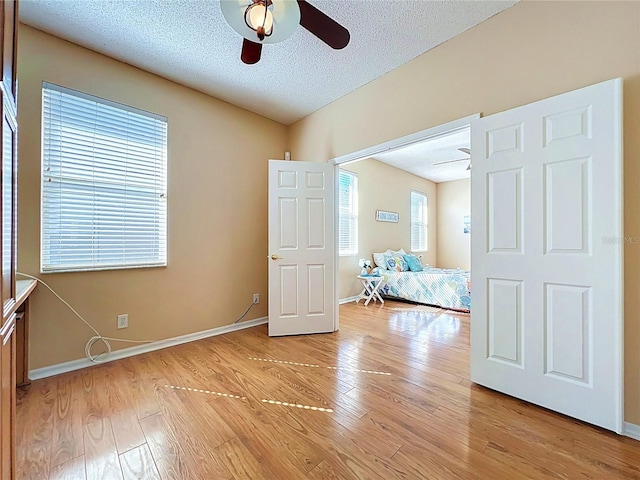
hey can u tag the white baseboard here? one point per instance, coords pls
(348, 299)
(632, 430)
(147, 347)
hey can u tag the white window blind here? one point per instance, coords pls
(348, 214)
(419, 222)
(104, 182)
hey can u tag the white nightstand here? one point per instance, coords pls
(370, 291)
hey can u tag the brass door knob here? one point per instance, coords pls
(275, 257)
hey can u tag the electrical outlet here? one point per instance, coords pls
(256, 298)
(123, 320)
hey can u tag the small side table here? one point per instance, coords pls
(370, 291)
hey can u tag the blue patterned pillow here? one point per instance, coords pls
(396, 263)
(414, 263)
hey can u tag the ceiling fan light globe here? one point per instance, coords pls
(255, 18)
(285, 15)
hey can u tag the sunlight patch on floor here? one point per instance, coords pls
(198, 390)
(283, 362)
(297, 405)
(346, 369)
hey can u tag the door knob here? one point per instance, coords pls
(275, 257)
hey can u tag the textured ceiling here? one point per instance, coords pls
(189, 42)
(437, 159)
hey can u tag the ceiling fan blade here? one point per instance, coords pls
(450, 161)
(465, 150)
(322, 26)
(251, 52)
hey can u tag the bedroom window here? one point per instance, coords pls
(104, 183)
(348, 214)
(419, 222)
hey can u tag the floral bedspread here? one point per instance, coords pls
(446, 288)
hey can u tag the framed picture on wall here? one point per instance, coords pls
(466, 222)
(383, 216)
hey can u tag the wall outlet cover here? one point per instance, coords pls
(123, 320)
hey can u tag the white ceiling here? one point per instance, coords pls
(437, 159)
(189, 42)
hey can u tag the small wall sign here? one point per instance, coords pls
(383, 216)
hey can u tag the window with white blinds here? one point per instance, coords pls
(348, 213)
(419, 222)
(104, 184)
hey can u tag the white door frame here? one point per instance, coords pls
(374, 150)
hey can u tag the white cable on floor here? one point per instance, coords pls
(101, 357)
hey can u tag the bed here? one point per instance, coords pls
(406, 278)
(446, 288)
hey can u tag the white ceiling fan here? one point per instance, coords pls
(463, 150)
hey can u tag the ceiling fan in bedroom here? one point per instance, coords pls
(273, 21)
(463, 150)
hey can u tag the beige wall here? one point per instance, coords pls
(382, 187)
(454, 246)
(529, 52)
(217, 210)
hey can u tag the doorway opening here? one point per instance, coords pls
(402, 181)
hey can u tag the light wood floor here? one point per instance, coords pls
(399, 404)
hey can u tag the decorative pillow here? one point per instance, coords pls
(395, 252)
(414, 263)
(396, 263)
(379, 260)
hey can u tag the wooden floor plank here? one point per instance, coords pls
(203, 418)
(349, 452)
(73, 469)
(244, 405)
(101, 456)
(196, 443)
(165, 448)
(34, 430)
(67, 442)
(140, 374)
(325, 471)
(126, 430)
(423, 462)
(92, 382)
(261, 430)
(614, 460)
(242, 463)
(138, 464)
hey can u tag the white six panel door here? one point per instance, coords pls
(546, 249)
(301, 248)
